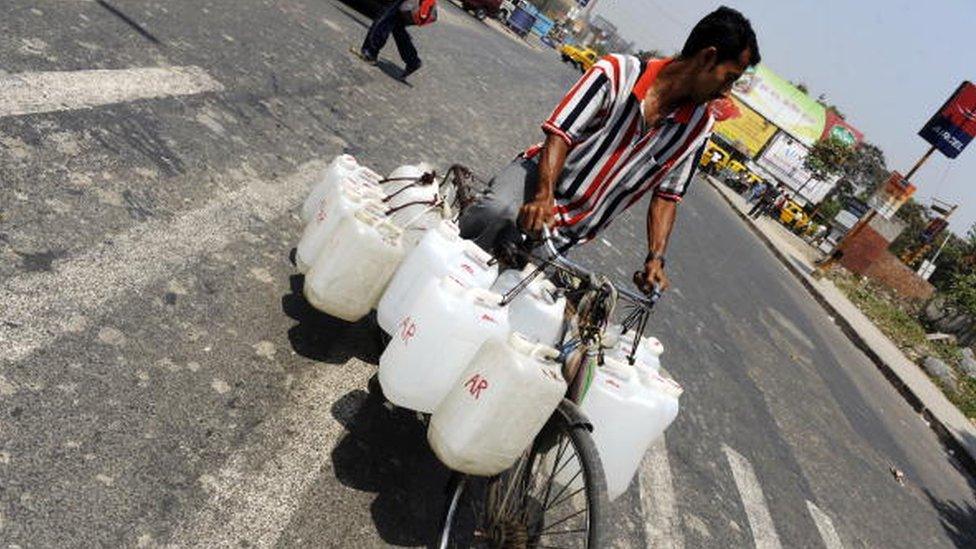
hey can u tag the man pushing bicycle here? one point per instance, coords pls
(628, 126)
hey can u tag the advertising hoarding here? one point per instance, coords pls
(749, 131)
(838, 128)
(781, 103)
(953, 127)
(783, 158)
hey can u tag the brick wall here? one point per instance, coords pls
(867, 254)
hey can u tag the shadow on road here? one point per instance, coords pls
(325, 338)
(393, 71)
(385, 452)
(958, 518)
(129, 21)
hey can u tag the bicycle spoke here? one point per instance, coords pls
(570, 483)
(567, 498)
(576, 531)
(562, 520)
(517, 474)
(552, 476)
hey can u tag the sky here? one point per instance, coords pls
(887, 65)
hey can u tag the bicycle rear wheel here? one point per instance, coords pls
(554, 496)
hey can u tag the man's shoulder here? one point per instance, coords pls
(620, 67)
(623, 60)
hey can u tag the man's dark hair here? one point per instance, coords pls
(728, 31)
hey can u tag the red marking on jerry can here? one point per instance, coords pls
(475, 385)
(407, 329)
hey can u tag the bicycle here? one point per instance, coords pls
(555, 495)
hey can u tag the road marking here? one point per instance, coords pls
(254, 502)
(38, 92)
(661, 526)
(763, 531)
(826, 526)
(35, 309)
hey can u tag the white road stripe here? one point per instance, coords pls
(254, 502)
(661, 526)
(37, 308)
(763, 531)
(37, 92)
(826, 526)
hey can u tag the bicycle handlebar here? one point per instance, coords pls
(646, 301)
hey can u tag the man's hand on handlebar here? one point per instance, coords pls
(538, 213)
(653, 276)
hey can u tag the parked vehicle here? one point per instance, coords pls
(484, 8)
(711, 165)
(581, 58)
(793, 214)
(506, 9)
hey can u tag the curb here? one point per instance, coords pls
(956, 450)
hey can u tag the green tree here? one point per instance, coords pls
(866, 169)
(962, 291)
(953, 260)
(915, 215)
(827, 158)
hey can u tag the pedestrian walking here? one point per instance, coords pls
(766, 201)
(756, 191)
(394, 20)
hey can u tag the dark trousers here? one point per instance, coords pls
(493, 217)
(760, 208)
(391, 21)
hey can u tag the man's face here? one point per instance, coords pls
(715, 79)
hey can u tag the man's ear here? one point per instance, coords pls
(707, 57)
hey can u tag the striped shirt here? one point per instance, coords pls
(614, 158)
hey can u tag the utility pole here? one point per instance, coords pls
(864, 221)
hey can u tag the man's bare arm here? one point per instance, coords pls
(540, 210)
(660, 221)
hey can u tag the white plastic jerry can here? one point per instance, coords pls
(648, 353)
(405, 176)
(342, 167)
(415, 228)
(497, 406)
(440, 252)
(411, 202)
(435, 339)
(629, 409)
(339, 201)
(536, 311)
(510, 278)
(354, 266)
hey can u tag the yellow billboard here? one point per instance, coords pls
(749, 131)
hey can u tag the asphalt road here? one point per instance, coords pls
(163, 382)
